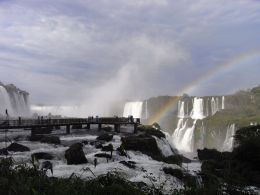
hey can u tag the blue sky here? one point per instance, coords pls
(66, 52)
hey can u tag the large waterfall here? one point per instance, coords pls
(133, 109)
(184, 135)
(14, 100)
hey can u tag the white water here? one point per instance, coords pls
(223, 103)
(5, 102)
(181, 111)
(214, 105)
(14, 101)
(229, 140)
(198, 111)
(133, 109)
(183, 136)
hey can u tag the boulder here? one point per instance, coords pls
(75, 155)
(35, 137)
(105, 137)
(151, 130)
(15, 147)
(103, 155)
(43, 130)
(3, 151)
(42, 155)
(50, 139)
(85, 142)
(174, 172)
(108, 148)
(143, 143)
(129, 164)
(213, 154)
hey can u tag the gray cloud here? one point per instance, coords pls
(97, 52)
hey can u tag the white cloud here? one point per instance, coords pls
(63, 51)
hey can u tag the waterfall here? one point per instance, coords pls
(5, 102)
(181, 111)
(133, 109)
(183, 136)
(229, 140)
(197, 111)
(14, 100)
(223, 103)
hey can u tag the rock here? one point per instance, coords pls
(173, 159)
(103, 155)
(98, 145)
(34, 137)
(213, 154)
(47, 165)
(143, 143)
(43, 130)
(15, 147)
(75, 154)
(50, 139)
(4, 151)
(105, 137)
(151, 130)
(85, 142)
(42, 155)
(129, 164)
(108, 148)
(173, 172)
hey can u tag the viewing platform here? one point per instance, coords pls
(117, 122)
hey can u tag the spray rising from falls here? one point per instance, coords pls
(133, 109)
(14, 101)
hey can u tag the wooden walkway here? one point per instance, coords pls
(117, 122)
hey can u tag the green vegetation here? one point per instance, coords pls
(25, 180)
(236, 169)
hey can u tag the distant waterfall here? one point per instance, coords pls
(14, 101)
(223, 103)
(5, 102)
(229, 140)
(198, 109)
(181, 111)
(133, 109)
(214, 105)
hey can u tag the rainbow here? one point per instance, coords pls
(231, 63)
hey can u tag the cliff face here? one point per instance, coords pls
(208, 121)
(14, 100)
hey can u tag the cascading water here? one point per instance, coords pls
(14, 101)
(181, 111)
(223, 103)
(229, 140)
(133, 109)
(5, 102)
(198, 110)
(183, 136)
